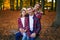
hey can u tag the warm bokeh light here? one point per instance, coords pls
(26, 3)
(6, 4)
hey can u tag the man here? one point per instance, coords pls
(34, 24)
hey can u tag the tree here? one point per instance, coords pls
(39, 1)
(55, 4)
(56, 23)
(1, 3)
(34, 1)
(30, 2)
(21, 3)
(43, 3)
(17, 5)
(52, 5)
(12, 4)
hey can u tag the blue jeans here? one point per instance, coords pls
(30, 38)
(24, 36)
(18, 35)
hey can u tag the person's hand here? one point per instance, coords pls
(41, 12)
(33, 35)
(25, 30)
(21, 30)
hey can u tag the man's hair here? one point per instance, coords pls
(30, 7)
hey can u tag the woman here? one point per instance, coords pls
(37, 11)
(22, 26)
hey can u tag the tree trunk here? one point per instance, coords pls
(34, 2)
(39, 1)
(30, 2)
(21, 3)
(43, 3)
(1, 2)
(52, 5)
(12, 4)
(17, 5)
(55, 4)
(57, 21)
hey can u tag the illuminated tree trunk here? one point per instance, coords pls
(12, 4)
(3, 5)
(55, 4)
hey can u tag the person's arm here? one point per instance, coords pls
(26, 24)
(20, 28)
(40, 15)
(19, 23)
(38, 27)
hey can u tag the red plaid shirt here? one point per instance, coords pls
(36, 25)
(38, 15)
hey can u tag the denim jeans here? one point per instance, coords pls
(31, 38)
(19, 34)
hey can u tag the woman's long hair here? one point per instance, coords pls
(23, 9)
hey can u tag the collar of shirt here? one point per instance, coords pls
(31, 16)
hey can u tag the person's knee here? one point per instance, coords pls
(32, 38)
(18, 34)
